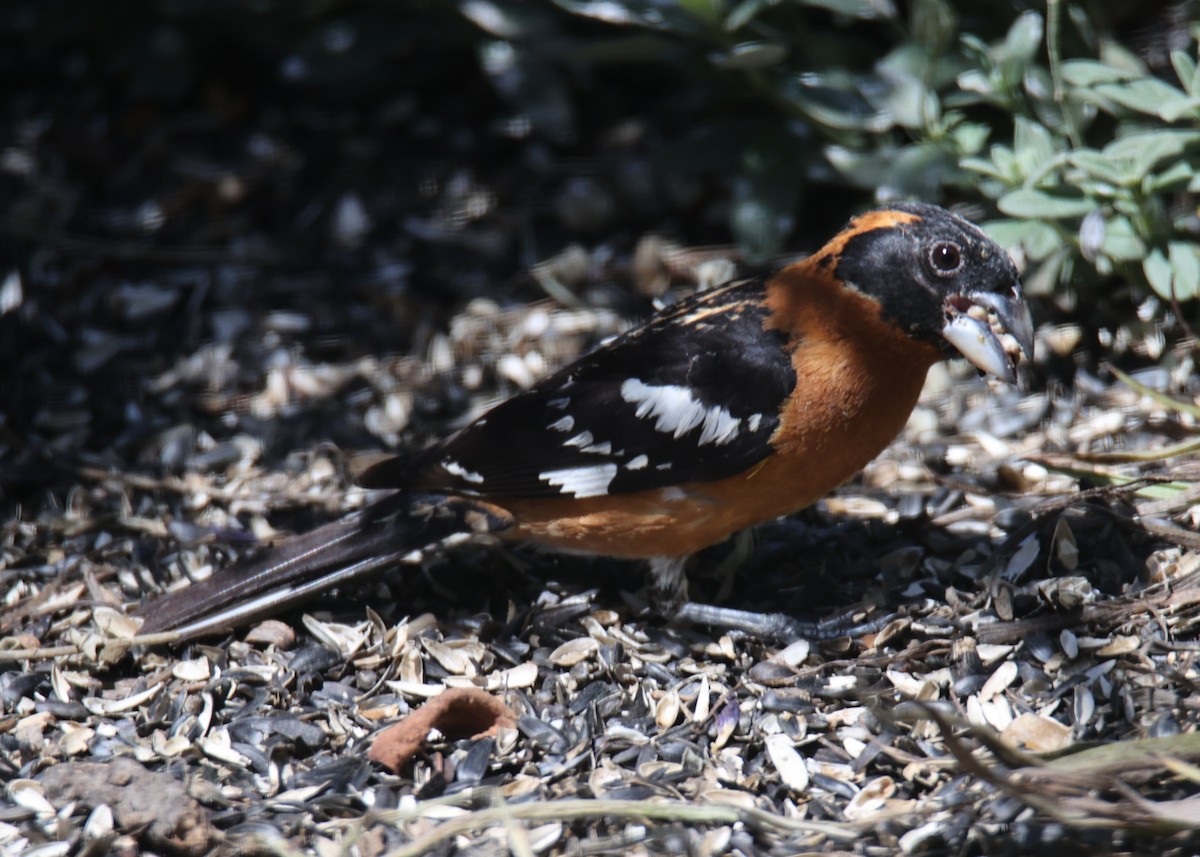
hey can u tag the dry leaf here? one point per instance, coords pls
(458, 713)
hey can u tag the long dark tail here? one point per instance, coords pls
(397, 529)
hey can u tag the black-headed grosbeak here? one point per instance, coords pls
(733, 407)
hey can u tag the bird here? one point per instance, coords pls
(735, 406)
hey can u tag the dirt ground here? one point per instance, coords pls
(211, 318)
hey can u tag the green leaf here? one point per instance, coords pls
(1007, 233)
(1115, 55)
(1022, 42)
(1121, 242)
(933, 23)
(744, 13)
(1006, 162)
(834, 102)
(1185, 268)
(1185, 69)
(975, 80)
(1158, 272)
(1033, 145)
(916, 171)
(751, 55)
(1086, 73)
(975, 47)
(1041, 241)
(861, 169)
(1002, 166)
(1027, 202)
(1102, 167)
(1151, 96)
(1038, 240)
(1145, 150)
(1043, 279)
(1130, 207)
(906, 99)
(986, 167)
(1178, 175)
(970, 136)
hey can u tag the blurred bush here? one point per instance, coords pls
(804, 110)
(1102, 172)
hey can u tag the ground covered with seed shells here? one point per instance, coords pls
(209, 323)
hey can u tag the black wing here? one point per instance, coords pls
(691, 395)
(398, 529)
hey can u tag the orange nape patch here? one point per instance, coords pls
(869, 222)
(808, 300)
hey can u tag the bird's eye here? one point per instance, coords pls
(946, 258)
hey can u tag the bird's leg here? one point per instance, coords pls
(668, 589)
(742, 547)
(668, 595)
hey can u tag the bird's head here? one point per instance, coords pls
(942, 280)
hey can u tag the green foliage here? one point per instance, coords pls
(798, 97)
(1102, 153)
(1092, 160)
(1100, 176)
(799, 110)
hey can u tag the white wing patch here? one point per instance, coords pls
(565, 424)
(637, 463)
(586, 443)
(676, 411)
(590, 481)
(456, 469)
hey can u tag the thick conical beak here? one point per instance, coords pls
(993, 331)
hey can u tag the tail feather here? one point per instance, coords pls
(396, 529)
